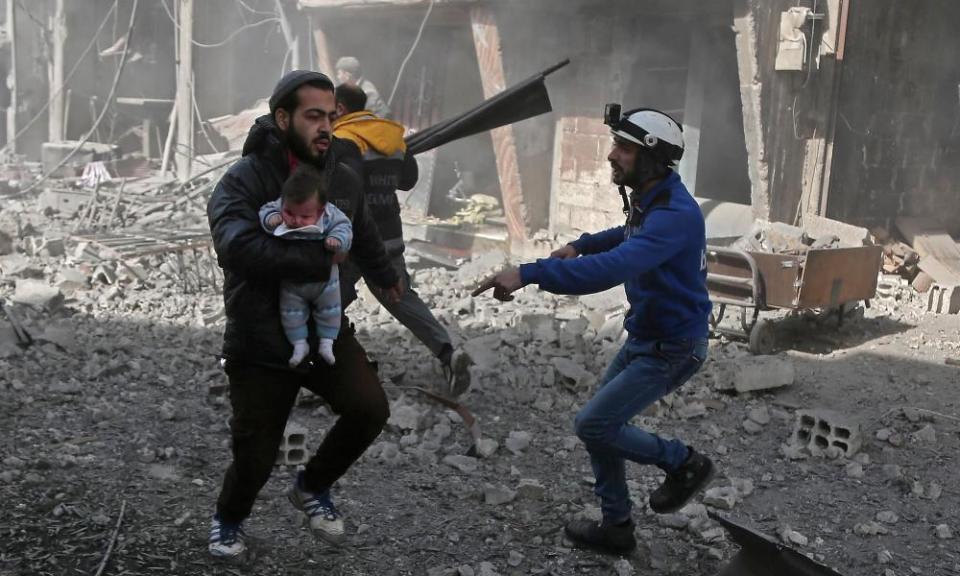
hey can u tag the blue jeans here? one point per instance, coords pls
(642, 373)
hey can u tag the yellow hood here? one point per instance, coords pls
(367, 131)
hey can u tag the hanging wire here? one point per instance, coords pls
(103, 111)
(66, 80)
(410, 53)
(226, 40)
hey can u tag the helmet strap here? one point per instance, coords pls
(626, 201)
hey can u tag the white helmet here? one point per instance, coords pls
(649, 128)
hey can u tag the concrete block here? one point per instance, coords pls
(943, 299)
(293, 449)
(822, 430)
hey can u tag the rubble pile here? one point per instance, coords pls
(116, 392)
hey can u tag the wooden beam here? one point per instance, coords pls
(748, 68)
(58, 27)
(184, 151)
(289, 36)
(694, 96)
(324, 63)
(12, 77)
(486, 39)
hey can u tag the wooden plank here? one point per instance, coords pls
(486, 39)
(58, 24)
(939, 253)
(836, 276)
(11, 143)
(324, 62)
(184, 101)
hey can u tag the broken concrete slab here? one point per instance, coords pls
(530, 489)
(752, 373)
(483, 351)
(818, 226)
(518, 441)
(465, 464)
(38, 294)
(481, 266)
(722, 497)
(497, 495)
(487, 447)
(572, 371)
(405, 416)
(18, 265)
(69, 280)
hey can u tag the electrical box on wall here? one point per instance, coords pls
(792, 46)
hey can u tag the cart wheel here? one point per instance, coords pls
(762, 338)
(716, 316)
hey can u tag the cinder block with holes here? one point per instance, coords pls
(820, 430)
(943, 299)
(293, 447)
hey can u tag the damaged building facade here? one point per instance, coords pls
(842, 108)
(845, 109)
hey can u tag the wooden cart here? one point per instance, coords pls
(820, 280)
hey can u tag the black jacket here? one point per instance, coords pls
(382, 176)
(254, 262)
(375, 148)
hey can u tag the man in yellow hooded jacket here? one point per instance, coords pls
(382, 160)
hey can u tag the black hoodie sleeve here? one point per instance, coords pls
(410, 172)
(241, 244)
(367, 252)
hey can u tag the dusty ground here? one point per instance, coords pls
(112, 405)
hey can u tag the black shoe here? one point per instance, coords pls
(680, 486)
(603, 537)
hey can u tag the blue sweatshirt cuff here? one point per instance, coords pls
(530, 273)
(581, 244)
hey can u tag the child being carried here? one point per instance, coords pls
(303, 213)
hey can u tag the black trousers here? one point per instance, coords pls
(262, 398)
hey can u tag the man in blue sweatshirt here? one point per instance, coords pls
(660, 258)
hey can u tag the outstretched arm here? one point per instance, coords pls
(662, 236)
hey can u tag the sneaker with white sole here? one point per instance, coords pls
(324, 518)
(226, 540)
(457, 373)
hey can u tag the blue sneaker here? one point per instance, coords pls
(325, 521)
(226, 540)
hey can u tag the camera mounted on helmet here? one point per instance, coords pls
(611, 115)
(651, 129)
